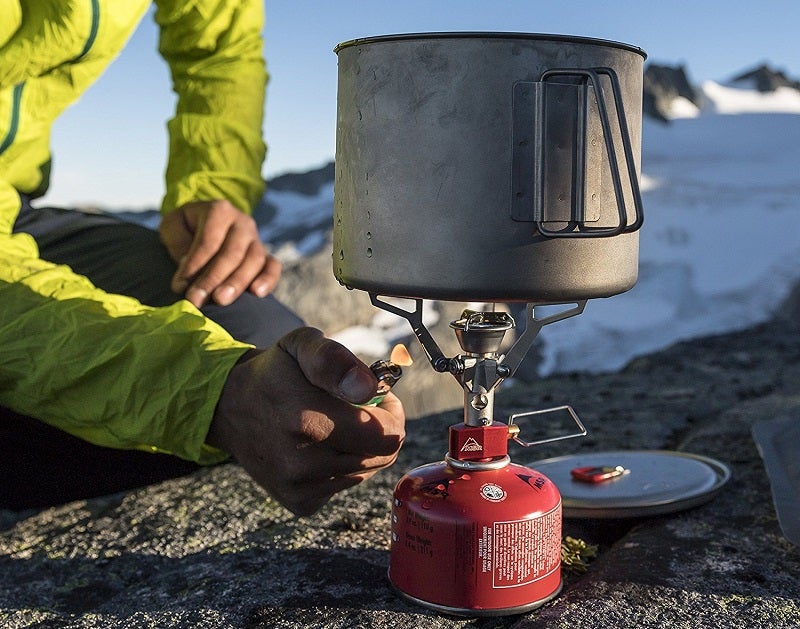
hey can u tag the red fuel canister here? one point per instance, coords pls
(476, 537)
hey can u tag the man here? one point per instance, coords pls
(95, 344)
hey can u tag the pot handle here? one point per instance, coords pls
(533, 155)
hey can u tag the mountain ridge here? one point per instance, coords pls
(669, 93)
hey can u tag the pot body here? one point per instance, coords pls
(476, 543)
(488, 167)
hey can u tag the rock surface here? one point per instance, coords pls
(210, 550)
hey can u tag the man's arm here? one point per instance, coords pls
(104, 367)
(215, 53)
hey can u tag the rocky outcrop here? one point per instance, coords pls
(212, 550)
(765, 79)
(307, 183)
(661, 86)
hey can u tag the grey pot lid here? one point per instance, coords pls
(641, 483)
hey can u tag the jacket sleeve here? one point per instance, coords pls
(104, 367)
(215, 52)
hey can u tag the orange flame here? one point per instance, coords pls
(400, 355)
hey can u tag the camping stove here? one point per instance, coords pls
(477, 534)
(491, 168)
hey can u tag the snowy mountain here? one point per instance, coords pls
(719, 248)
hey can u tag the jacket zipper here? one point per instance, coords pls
(16, 97)
(13, 125)
(92, 31)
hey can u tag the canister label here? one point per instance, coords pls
(522, 551)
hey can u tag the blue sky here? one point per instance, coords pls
(109, 149)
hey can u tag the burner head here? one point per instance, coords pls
(481, 332)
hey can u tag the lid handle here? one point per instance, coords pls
(515, 434)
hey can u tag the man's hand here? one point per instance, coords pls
(219, 253)
(287, 415)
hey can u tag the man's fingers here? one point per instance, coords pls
(264, 283)
(241, 273)
(206, 242)
(214, 257)
(258, 271)
(371, 432)
(326, 364)
(330, 366)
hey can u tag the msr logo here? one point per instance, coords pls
(470, 445)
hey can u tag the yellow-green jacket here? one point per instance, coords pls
(101, 366)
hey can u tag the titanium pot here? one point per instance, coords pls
(495, 167)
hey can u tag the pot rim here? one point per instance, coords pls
(573, 39)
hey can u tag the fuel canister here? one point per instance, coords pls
(479, 538)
